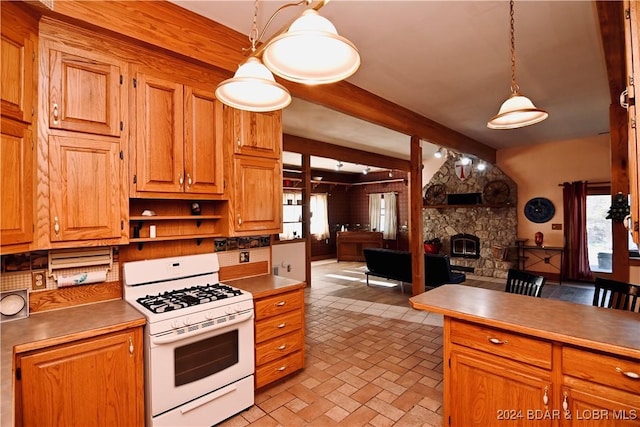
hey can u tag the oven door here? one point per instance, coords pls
(198, 359)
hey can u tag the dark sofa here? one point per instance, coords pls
(396, 265)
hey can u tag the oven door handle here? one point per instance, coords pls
(173, 338)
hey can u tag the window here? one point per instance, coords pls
(319, 226)
(599, 233)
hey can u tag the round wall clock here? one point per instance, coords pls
(435, 195)
(496, 192)
(539, 209)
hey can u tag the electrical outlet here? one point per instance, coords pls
(244, 256)
(556, 226)
(38, 280)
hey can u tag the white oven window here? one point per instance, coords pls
(206, 357)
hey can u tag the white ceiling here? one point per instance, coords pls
(449, 61)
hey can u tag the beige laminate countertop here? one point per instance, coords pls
(49, 328)
(609, 330)
(266, 285)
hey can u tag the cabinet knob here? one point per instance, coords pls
(56, 225)
(180, 179)
(239, 220)
(130, 345)
(545, 397)
(239, 142)
(189, 181)
(565, 403)
(56, 113)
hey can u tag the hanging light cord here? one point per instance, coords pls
(254, 36)
(514, 86)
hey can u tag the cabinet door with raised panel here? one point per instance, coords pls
(590, 405)
(203, 142)
(84, 91)
(257, 195)
(84, 188)
(16, 183)
(159, 135)
(490, 391)
(17, 66)
(632, 44)
(258, 134)
(97, 382)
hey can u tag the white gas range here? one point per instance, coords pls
(199, 341)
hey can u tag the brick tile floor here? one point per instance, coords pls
(371, 360)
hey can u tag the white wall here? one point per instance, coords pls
(289, 259)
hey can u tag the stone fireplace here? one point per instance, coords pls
(491, 228)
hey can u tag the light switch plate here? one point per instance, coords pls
(244, 256)
(556, 226)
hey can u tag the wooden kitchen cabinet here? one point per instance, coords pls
(258, 134)
(179, 141)
(254, 142)
(97, 381)
(632, 45)
(600, 389)
(497, 377)
(19, 42)
(84, 188)
(279, 336)
(81, 153)
(16, 184)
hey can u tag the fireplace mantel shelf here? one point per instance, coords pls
(479, 205)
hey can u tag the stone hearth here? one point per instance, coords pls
(496, 227)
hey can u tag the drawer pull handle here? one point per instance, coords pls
(628, 374)
(282, 325)
(282, 368)
(282, 347)
(565, 404)
(497, 341)
(545, 397)
(281, 303)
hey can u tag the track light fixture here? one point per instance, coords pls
(438, 154)
(366, 170)
(338, 166)
(309, 51)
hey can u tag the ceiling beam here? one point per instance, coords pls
(164, 24)
(305, 146)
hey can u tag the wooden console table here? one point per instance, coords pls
(351, 243)
(527, 257)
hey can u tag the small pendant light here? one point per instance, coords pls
(518, 110)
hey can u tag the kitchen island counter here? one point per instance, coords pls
(50, 328)
(534, 356)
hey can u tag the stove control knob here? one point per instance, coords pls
(186, 321)
(209, 315)
(229, 310)
(175, 324)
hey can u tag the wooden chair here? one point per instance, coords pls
(613, 294)
(523, 283)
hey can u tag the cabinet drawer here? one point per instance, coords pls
(278, 326)
(279, 347)
(604, 369)
(278, 369)
(502, 343)
(278, 304)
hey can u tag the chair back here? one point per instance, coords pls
(523, 283)
(613, 294)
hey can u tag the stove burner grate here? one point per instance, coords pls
(182, 298)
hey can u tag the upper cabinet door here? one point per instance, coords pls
(632, 47)
(84, 188)
(18, 56)
(258, 134)
(84, 92)
(159, 135)
(16, 183)
(203, 142)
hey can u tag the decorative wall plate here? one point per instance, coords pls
(496, 192)
(539, 210)
(435, 195)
